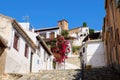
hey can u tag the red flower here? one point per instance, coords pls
(61, 49)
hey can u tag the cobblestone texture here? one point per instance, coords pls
(52, 75)
(10, 76)
(90, 74)
(101, 74)
(74, 61)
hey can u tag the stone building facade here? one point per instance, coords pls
(111, 33)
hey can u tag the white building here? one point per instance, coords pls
(19, 53)
(49, 32)
(44, 55)
(79, 33)
(52, 32)
(92, 53)
(43, 59)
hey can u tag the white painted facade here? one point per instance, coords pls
(47, 32)
(25, 25)
(41, 59)
(83, 32)
(93, 53)
(15, 61)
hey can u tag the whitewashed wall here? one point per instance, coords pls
(48, 33)
(94, 54)
(84, 31)
(16, 62)
(41, 59)
(25, 25)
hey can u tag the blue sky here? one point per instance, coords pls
(46, 13)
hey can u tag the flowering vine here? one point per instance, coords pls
(60, 49)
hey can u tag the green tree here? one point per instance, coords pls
(91, 31)
(65, 33)
(84, 24)
(73, 49)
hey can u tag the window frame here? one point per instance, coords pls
(52, 35)
(26, 52)
(39, 49)
(16, 41)
(83, 49)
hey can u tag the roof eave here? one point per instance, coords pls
(24, 34)
(44, 44)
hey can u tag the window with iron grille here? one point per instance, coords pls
(16, 41)
(83, 49)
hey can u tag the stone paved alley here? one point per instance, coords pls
(73, 74)
(45, 75)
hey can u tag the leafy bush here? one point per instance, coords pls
(91, 31)
(65, 33)
(75, 48)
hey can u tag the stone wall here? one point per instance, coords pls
(2, 61)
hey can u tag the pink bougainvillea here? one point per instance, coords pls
(60, 49)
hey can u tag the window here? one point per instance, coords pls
(81, 54)
(83, 49)
(43, 35)
(118, 3)
(38, 61)
(16, 41)
(26, 51)
(52, 35)
(38, 52)
(81, 35)
(44, 56)
(117, 36)
(84, 34)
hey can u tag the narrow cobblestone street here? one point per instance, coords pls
(46, 75)
(101, 74)
(52, 75)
